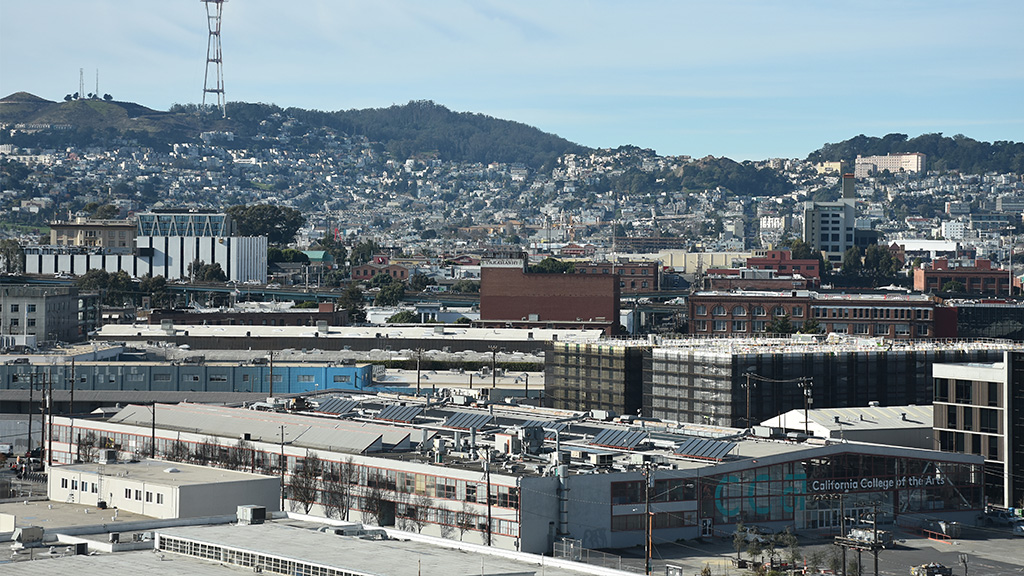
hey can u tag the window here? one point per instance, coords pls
(149, 496)
(340, 378)
(993, 394)
(759, 311)
(962, 392)
(721, 325)
(14, 307)
(700, 325)
(161, 377)
(159, 498)
(739, 311)
(718, 311)
(739, 326)
(218, 378)
(758, 326)
(798, 311)
(63, 482)
(138, 494)
(304, 378)
(470, 492)
(778, 311)
(700, 310)
(31, 307)
(74, 484)
(128, 493)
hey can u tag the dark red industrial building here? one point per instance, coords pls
(512, 297)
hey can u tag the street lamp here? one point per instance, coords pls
(748, 384)
(806, 384)
(419, 355)
(494, 359)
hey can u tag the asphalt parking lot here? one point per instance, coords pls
(991, 551)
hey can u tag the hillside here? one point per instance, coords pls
(944, 153)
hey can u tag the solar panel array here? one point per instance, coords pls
(335, 405)
(625, 439)
(704, 449)
(468, 420)
(396, 413)
(549, 424)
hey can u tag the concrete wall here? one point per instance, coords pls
(226, 497)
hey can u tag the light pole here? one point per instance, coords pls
(806, 384)
(748, 384)
(494, 362)
(419, 355)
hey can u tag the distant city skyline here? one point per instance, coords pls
(745, 79)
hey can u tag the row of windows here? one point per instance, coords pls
(28, 308)
(128, 492)
(719, 310)
(846, 312)
(74, 485)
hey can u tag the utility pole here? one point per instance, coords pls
(284, 465)
(419, 354)
(648, 481)
(806, 384)
(494, 371)
(49, 419)
(152, 433)
(487, 475)
(748, 385)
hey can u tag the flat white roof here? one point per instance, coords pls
(156, 472)
(449, 333)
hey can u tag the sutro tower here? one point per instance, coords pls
(213, 55)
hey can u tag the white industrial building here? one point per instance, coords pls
(525, 478)
(161, 489)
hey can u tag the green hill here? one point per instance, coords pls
(944, 153)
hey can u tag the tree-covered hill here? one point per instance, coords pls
(944, 153)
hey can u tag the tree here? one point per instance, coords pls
(953, 286)
(156, 288)
(852, 262)
(780, 325)
(200, 271)
(419, 282)
(352, 302)
(739, 538)
(305, 482)
(446, 521)
(108, 97)
(105, 212)
(465, 519)
(373, 500)
(390, 295)
(880, 264)
(811, 326)
(239, 456)
(465, 287)
(552, 266)
(403, 317)
(277, 223)
(85, 446)
(422, 505)
(337, 489)
(67, 98)
(362, 253)
(381, 279)
(12, 256)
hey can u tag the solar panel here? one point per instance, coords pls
(704, 449)
(396, 413)
(549, 424)
(468, 420)
(625, 439)
(335, 405)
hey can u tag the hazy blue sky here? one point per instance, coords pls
(747, 79)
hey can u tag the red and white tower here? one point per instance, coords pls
(214, 8)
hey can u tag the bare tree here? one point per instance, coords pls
(337, 489)
(305, 484)
(207, 451)
(85, 446)
(239, 456)
(178, 452)
(465, 519)
(405, 512)
(422, 505)
(445, 521)
(373, 499)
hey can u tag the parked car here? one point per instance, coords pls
(933, 569)
(998, 518)
(1018, 528)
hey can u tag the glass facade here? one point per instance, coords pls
(809, 494)
(594, 377)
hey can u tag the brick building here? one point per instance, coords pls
(510, 295)
(633, 276)
(899, 316)
(782, 261)
(977, 277)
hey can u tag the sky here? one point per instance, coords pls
(746, 79)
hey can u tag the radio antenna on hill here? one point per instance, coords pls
(213, 55)
(81, 83)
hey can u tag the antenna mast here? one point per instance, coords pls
(213, 55)
(81, 83)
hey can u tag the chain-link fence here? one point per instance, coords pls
(569, 549)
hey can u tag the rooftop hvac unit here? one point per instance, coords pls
(108, 456)
(252, 514)
(167, 325)
(321, 326)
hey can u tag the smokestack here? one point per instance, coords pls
(849, 187)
